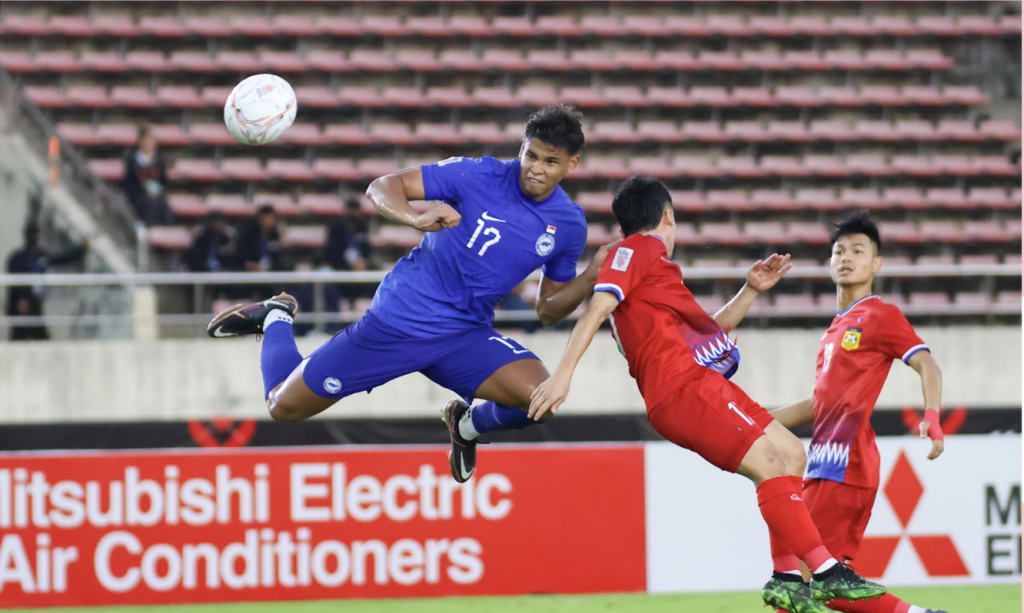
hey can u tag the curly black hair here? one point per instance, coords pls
(558, 125)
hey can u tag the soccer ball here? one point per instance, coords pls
(260, 109)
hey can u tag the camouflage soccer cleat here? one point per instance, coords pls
(791, 595)
(243, 319)
(843, 583)
(462, 456)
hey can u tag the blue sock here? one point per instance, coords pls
(279, 356)
(490, 416)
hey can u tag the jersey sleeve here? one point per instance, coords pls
(562, 267)
(624, 269)
(441, 181)
(897, 337)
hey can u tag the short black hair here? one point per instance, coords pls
(858, 223)
(265, 209)
(639, 204)
(559, 125)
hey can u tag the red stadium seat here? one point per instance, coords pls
(1000, 130)
(438, 133)
(753, 96)
(537, 95)
(389, 235)
(612, 131)
(905, 197)
(410, 97)
(449, 96)
(392, 133)
(667, 96)
(818, 199)
(194, 170)
(703, 131)
(872, 165)
(807, 232)
(595, 202)
(984, 259)
(146, 61)
(728, 200)
(986, 231)
(481, 133)
(416, 59)
(371, 61)
(105, 61)
(179, 97)
(187, 205)
(883, 95)
(461, 59)
(915, 166)
(470, 25)
(88, 96)
(947, 197)
(78, 134)
(922, 95)
(661, 131)
(166, 27)
(798, 96)
(953, 164)
(804, 60)
(747, 131)
(840, 96)
(899, 232)
(321, 204)
(831, 130)
(284, 204)
(689, 202)
(346, 134)
(887, 59)
(967, 95)
(335, 169)
(281, 61)
(772, 26)
(894, 25)
(307, 237)
(769, 59)
(654, 166)
(296, 25)
(991, 197)
(255, 26)
(123, 134)
(958, 130)
(994, 165)
(741, 166)
(384, 25)
(592, 59)
(303, 134)
(56, 61)
(360, 96)
(504, 59)
(494, 96)
(854, 26)
(727, 25)
(979, 24)
(169, 134)
(243, 169)
(593, 166)
(845, 59)
(635, 60)
(207, 25)
(231, 205)
(624, 95)
(289, 170)
(645, 25)
(916, 130)
(866, 198)
(686, 234)
(29, 24)
(548, 59)
(427, 26)
(686, 26)
(211, 134)
(328, 61)
(218, 96)
(875, 130)
(825, 166)
(971, 299)
(792, 131)
(17, 61)
(722, 233)
(783, 166)
(935, 260)
(600, 25)
(598, 234)
(939, 26)
(339, 25)
(794, 303)
(677, 60)
(711, 263)
(708, 96)
(772, 200)
(169, 237)
(191, 61)
(929, 299)
(240, 61)
(719, 60)
(697, 166)
(931, 59)
(559, 25)
(372, 169)
(133, 97)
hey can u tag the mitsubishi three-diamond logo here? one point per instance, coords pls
(937, 552)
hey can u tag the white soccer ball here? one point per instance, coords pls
(260, 109)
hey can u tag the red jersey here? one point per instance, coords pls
(667, 338)
(854, 359)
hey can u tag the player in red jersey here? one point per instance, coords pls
(681, 359)
(854, 358)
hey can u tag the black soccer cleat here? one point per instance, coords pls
(243, 319)
(841, 582)
(462, 456)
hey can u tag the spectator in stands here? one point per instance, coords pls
(145, 181)
(259, 242)
(211, 245)
(348, 248)
(24, 300)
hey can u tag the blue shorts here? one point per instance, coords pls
(370, 353)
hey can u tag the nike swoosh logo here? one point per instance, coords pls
(489, 218)
(462, 463)
(219, 334)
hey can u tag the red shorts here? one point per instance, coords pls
(713, 418)
(840, 512)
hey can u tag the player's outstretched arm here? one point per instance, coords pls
(391, 194)
(796, 414)
(556, 301)
(761, 277)
(931, 388)
(550, 394)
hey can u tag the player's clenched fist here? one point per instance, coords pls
(438, 218)
(548, 396)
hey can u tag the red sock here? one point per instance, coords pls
(786, 516)
(886, 604)
(783, 559)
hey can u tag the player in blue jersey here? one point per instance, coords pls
(499, 221)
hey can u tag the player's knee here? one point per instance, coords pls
(792, 452)
(762, 462)
(281, 411)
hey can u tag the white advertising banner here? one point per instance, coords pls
(953, 520)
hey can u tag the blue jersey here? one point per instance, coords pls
(455, 278)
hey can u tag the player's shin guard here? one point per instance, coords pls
(787, 518)
(279, 356)
(783, 558)
(887, 603)
(490, 416)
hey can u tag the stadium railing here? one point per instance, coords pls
(201, 283)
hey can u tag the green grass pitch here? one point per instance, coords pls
(960, 599)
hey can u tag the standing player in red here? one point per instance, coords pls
(681, 359)
(854, 358)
